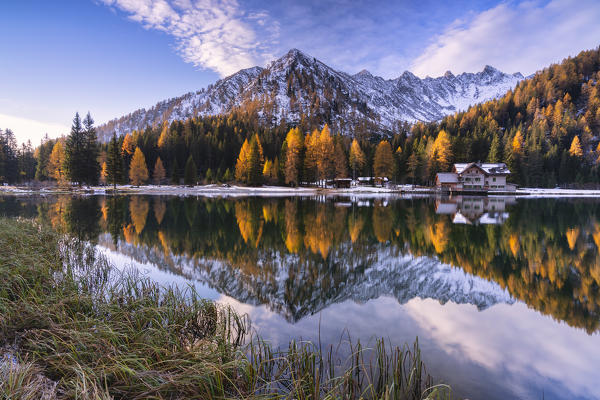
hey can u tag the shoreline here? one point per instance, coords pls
(221, 190)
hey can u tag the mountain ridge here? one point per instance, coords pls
(298, 85)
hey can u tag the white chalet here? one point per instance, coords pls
(475, 177)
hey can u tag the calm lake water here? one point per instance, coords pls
(503, 294)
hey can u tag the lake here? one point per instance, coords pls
(502, 293)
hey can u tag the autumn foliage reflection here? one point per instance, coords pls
(546, 254)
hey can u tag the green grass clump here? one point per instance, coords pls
(81, 329)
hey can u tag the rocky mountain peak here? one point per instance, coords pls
(298, 84)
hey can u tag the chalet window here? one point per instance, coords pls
(494, 179)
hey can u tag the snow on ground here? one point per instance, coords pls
(556, 192)
(215, 190)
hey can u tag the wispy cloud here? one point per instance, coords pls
(213, 34)
(524, 37)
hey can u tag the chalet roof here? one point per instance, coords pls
(447, 177)
(488, 168)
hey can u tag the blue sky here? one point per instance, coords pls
(113, 56)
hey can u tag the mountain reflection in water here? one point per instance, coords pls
(380, 267)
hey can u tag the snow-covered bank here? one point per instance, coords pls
(216, 190)
(556, 192)
(211, 190)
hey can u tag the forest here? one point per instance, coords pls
(546, 130)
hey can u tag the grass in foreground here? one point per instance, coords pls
(71, 326)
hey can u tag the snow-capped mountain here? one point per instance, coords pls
(298, 84)
(295, 291)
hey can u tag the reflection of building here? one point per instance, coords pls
(475, 177)
(475, 210)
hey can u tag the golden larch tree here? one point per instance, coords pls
(517, 143)
(128, 146)
(293, 162)
(383, 163)
(103, 173)
(575, 149)
(159, 173)
(138, 171)
(442, 150)
(325, 154)
(358, 159)
(311, 156)
(241, 165)
(56, 162)
(341, 161)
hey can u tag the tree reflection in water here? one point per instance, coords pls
(545, 252)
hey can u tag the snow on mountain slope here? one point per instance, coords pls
(298, 84)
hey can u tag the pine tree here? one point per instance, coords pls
(358, 159)
(159, 172)
(383, 163)
(191, 172)
(254, 163)
(138, 171)
(42, 154)
(227, 175)
(75, 153)
(175, 173)
(413, 167)
(91, 151)
(495, 154)
(114, 162)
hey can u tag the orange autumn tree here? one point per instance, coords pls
(358, 160)
(294, 144)
(138, 171)
(159, 173)
(383, 163)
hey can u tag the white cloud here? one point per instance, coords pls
(28, 129)
(214, 34)
(523, 37)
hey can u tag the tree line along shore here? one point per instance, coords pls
(547, 130)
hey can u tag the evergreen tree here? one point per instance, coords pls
(495, 154)
(114, 162)
(42, 154)
(175, 173)
(138, 171)
(91, 151)
(191, 174)
(254, 163)
(76, 159)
